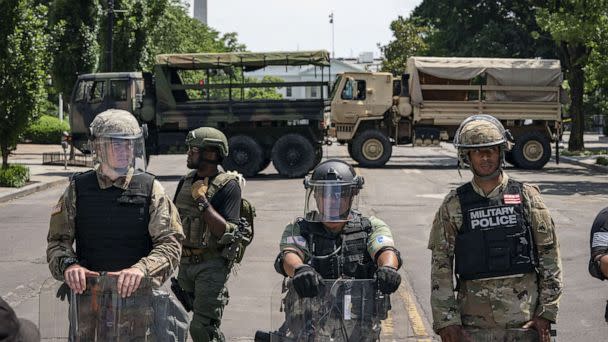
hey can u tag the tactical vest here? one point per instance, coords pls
(495, 239)
(195, 228)
(112, 224)
(352, 260)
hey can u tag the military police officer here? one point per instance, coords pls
(498, 237)
(118, 215)
(598, 263)
(333, 239)
(209, 202)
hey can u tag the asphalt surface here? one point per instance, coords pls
(405, 194)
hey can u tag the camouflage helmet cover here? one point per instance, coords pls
(115, 122)
(208, 137)
(480, 131)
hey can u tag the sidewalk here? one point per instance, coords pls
(41, 176)
(594, 142)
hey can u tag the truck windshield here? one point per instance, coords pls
(334, 88)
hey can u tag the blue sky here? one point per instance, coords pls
(272, 25)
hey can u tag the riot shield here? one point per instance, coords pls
(101, 314)
(344, 310)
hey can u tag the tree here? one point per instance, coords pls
(23, 58)
(134, 23)
(577, 27)
(409, 41)
(264, 93)
(75, 26)
(486, 28)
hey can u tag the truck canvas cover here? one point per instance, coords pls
(248, 60)
(499, 71)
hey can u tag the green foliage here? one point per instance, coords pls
(578, 27)
(487, 28)
(23, 61)
(134, 23)
(46, 130)
(74, 29)
(177, 32)
(602, 161)
(265, 93)
(409, 40)
(14, 176)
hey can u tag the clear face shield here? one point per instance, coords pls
(330, 201)
(117, 155)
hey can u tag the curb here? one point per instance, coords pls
(594, 167)
(30, 189)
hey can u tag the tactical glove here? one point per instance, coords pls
(199, 189)
(306, 281)
(388, 279)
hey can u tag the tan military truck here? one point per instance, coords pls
(371, 112)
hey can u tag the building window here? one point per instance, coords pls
(288, 92)
(313, 92)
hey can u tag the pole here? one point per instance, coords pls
(331, 21)
(109, 61)
(60, 107)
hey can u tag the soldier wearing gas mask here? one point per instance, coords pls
(497, 236)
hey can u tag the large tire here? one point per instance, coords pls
(532, 150)
(244, 156)
(371, 148)
(509, 158)
(293, 155)
(349, 147)
(318, 155)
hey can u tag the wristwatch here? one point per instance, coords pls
(67, 262)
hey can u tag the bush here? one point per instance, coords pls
(602, 161)
(46, 130)
(14, 176)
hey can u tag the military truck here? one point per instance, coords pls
(373, 111)
(186, 91)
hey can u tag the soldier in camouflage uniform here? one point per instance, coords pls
(209, 203)
(499, 238)
(333, 240)
(117, 215)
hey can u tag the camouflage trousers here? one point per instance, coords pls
(207, 280)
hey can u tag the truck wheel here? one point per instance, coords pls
(293, 155)
(509, 158)
(244, 156)
(371, 148)
(532, 150)
(318, 155)
(349, 147)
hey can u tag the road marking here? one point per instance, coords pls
(387, 326)
(411, 171)
(433, 196)
(413, 314)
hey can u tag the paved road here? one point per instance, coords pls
(405, 194)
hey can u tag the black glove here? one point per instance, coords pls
(63, 292)
(388, 279)
(306, 281)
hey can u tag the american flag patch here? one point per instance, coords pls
(512, 199)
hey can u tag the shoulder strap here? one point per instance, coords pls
(218, 182)
(189, 175)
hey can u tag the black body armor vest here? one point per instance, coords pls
(352, 260)
(112, 224)
(495, 239)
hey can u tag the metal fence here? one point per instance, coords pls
(58, 158)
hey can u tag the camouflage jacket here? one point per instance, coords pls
(498, 302)
(164, 227)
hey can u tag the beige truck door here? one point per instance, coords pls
(351, 102)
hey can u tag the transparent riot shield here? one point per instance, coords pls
(101, 314)
(344, 310)
(502, 335)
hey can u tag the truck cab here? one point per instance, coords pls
(94, 93)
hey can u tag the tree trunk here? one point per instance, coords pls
(5, 153)
(577, 83)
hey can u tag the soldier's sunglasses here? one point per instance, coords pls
(193, 149)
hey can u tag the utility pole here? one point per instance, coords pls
(110, 48)
(331, 21)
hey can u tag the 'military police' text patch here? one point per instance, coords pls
(485, 218)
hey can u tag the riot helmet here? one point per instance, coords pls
(332, 192)
(478, 132)
(117, 142)
(207, 137)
